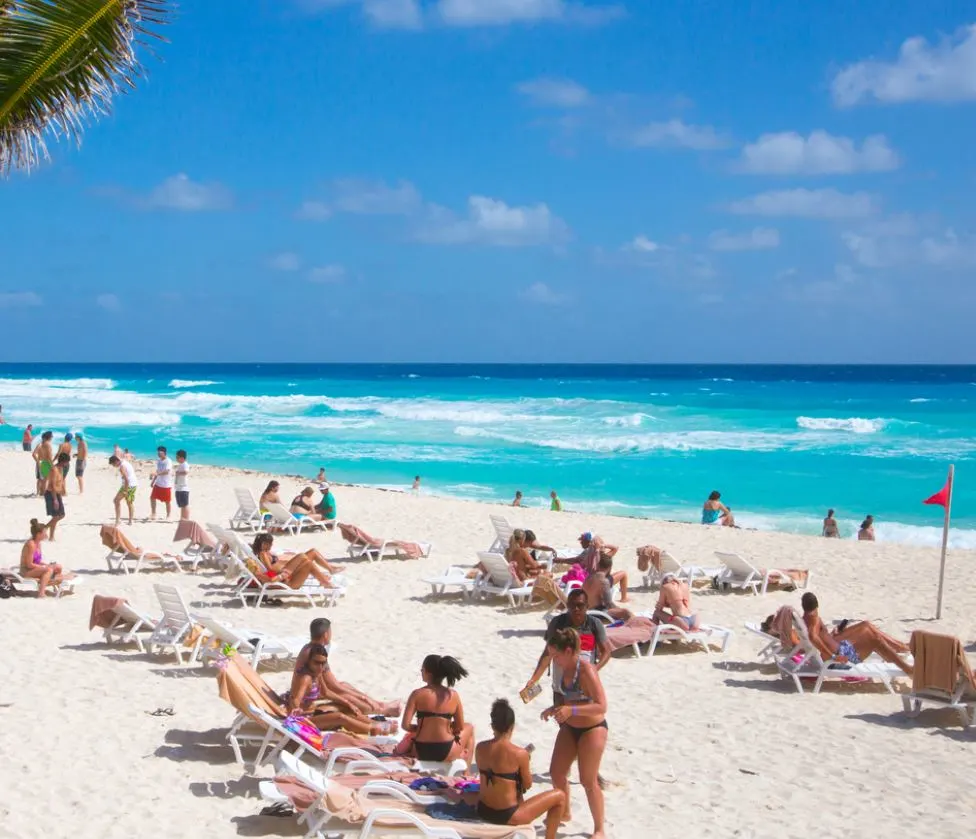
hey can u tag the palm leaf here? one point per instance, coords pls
(61, 62)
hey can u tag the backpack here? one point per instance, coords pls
(6, 588)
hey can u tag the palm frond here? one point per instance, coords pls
(61, 62)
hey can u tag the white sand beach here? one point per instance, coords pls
(700, 745)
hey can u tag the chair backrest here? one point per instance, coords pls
(222, 632)
(669, 565)
(496, 567)
(305, 773)
(502, 528)
(245, 500)
(279, 513)
(128, 612)
(738, 566)
(175, 611)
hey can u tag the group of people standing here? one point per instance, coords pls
(167, 480)
(51, 469)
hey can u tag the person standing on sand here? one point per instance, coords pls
(81, 461)
(416, 484)
(866, 533)
(128, 489)
(181, 484)
(555, 505)
(43, 458)
(54, 493)
(162, 484)
(518, 498)
(65, 448)
(830, 530)
(28, 437)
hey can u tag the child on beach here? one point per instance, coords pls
(181, 484)
(128, 489)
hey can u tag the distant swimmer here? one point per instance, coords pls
(866, 533)
(320, 478)
(555, 505)
(830, 530)
(416, 483)
(28, 438)
(715, 512)
(518, 499)
(2, 420)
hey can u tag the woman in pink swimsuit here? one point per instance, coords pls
(32, 562)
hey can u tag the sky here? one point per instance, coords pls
(514, 180)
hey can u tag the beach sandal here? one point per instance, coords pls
(162, 712)
(279, 810)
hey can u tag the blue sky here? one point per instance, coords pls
(515, 180)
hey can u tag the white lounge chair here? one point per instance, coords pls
(772, 647)
(257, 646)
(453, 576)
(361, 544)
(250, 587)
(174, 628)
(805, 662)
(686, 572)
(741, 574)
(281, 519)
(706, 635)
(503, 534)
(497, 579)
(22, 583)
(962, 697)
(380, 820)
(248, 515)
(123, 553)
(127, 624)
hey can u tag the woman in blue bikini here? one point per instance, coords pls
(582, 725)
(505, 776)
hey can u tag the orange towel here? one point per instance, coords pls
(782, 626)
(187, 529)
(647, 556)
(103, 610)
(115, 539)
(940, 662)
(241, 686)
(357, 536)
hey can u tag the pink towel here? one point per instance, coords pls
(637, 630)
(187, 529)
(103, 610)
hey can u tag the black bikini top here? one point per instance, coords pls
(422, 715)
(516, 777)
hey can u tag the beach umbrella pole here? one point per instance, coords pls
(945, 540)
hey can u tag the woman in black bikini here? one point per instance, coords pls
(582, 725)
(440, 733)
(303, 505)
(505, 776)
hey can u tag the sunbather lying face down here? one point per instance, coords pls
(674, 604)
(505, 776)
(855, 643)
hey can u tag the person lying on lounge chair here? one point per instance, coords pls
(311, 553)
(505, 776)
(519, 556)
(292, 571)
(855, 642)
(674, 604)
(320, 632)
(302, 505)
(308, 687)
(440, 732)
(599, 590)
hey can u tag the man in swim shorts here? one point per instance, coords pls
(81, 461)
(162, 484)
(127, 491)
(54, 493)
(43, 458)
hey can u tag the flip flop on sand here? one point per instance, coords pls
(162, 712)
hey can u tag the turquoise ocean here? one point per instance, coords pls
(782, 443)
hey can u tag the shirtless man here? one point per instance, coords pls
(593, 548)
(43, 460)
(674, 604)
(855, 643)
(320, 632)
(54, 493)
(599, 591)
(65, 448)
(81, 461)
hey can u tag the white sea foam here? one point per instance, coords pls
(66, 384)
(921, 399)
(181, 383)
(631, 420)
(858, 425)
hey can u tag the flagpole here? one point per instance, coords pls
(945, 540)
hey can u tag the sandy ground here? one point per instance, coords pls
(700, 745)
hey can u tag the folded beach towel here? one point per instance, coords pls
(940, 661)
(782, 626)
(637, 630)
(187, 529)
(647, 556)
(103, 610)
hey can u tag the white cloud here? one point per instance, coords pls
(327, 274)
(544, 295)
(285, 261)
(394, 14)
(314, 211)
(16, 299)
(643, 244)
(950, 250)
(364, 197)
(757, 239)
(504, 12)
(942, 72)
(837, 288)
(556, 93)
(806, 203)
(789, 153)
(897, 242)
(180, 193)
(676, 133)
(109, 302)
(493, 222)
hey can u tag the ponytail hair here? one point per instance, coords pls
(36, 528)
(565, 640)
(444, 668)
(502, 716)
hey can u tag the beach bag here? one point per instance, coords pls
(6, 588)
(545, 589)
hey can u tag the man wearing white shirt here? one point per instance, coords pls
(162, 484)
(128, 488)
